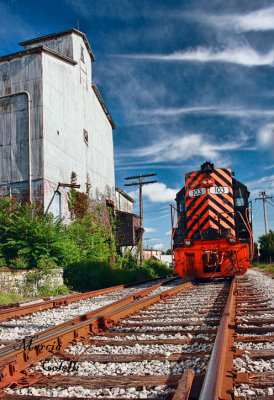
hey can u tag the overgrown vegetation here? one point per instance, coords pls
(267, 247)
(85, 248)
(92, 275)
(9, 297)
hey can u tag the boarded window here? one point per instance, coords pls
(85, 134)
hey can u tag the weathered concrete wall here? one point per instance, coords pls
(21, 282)
(17, 75)
(70, 107)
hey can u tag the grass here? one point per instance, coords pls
(9, 297)
(266, 267)
(45, 291)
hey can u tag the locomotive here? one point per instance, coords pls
(212, 237)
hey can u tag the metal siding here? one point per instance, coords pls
(62, 45)
(70, 107)
(22, 74)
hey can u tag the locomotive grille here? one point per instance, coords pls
(210, 210)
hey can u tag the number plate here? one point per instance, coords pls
(197, 192)
(218, 189)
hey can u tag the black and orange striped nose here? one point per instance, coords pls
(209, 201)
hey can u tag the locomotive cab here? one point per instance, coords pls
(213, 237)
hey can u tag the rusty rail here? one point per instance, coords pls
(19, 311)
(217, 383)
(14, 360)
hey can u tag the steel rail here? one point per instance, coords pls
(19, 311)
(13, 361)
(217, 384)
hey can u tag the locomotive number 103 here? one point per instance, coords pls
(212, 190)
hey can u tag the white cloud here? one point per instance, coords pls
(243, 55)
(224, 110)
(185, 147)
(133, 194)
(158, 246)
(147, 230)
(259, 20)
(266, 183)
(168, 233)
(266, 136)
(159, 193)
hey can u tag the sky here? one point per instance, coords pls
(185, 82)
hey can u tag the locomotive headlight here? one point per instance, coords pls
(188, 242)
(231, 240)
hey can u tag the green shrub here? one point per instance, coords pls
(267, 246)
(92, 275)
(17, 263)
(30, 239)
(158, 267)
(3, 263)
(47, 290)
(26, 235)
(129, 262)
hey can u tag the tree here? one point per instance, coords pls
(168, 252)
(267, 246)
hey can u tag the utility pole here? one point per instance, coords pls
(264, 197)
(147, 240)
(140, 183)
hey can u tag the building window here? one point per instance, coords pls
(82, 54)
(85, 134)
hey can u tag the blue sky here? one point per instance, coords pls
(185, 82)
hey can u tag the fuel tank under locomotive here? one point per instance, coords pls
(213, 237)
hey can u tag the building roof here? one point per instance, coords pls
(60, 34)
(38, 49)
(104, 107)
(125, 194)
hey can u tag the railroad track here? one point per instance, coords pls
(179, 343)
(28, 319)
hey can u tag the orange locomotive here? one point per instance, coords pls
(213, 235)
